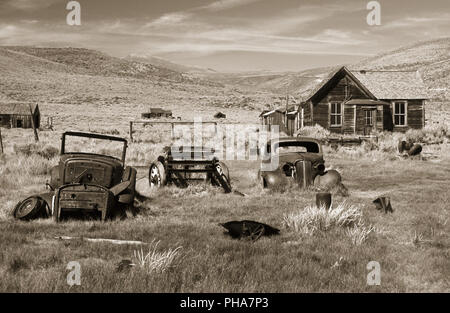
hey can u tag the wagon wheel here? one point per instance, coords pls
(28, 208)
(157, 175)
(257, 233)
(221, 176)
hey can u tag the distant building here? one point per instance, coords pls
(358, 102)
(288, 118)
(18, 115)
(157, 113)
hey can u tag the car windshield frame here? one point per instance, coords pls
(94, 136)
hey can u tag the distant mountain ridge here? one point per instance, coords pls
(430, 58)
(67, 74)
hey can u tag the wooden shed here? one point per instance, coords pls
(157, 113)
(287, 119)
(18, 115)
(359, 102)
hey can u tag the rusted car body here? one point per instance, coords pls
(183, 164)
(299, 159)
(85, 183)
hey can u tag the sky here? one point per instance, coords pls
(228, 35)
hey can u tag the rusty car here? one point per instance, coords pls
(295, 159)
(86, 183)
(180, 165)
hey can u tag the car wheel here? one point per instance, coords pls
(222, 176)
(157, 175)
(28, 209)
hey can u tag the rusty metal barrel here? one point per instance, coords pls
(415, 150)
(323, 199)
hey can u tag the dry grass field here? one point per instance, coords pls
(189, 251)
(186, 250)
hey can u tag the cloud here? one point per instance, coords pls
(8, 31)
(25, 5)
(226, 4)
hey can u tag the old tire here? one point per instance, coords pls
(157, 175)
(29, 208)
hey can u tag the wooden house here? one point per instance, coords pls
(359, 102)
(18, 115)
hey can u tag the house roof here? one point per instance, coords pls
(393, 84)
(333, 75)
(378, 84)
(17, 108)
(159, 111)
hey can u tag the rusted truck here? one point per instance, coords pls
(84, 183)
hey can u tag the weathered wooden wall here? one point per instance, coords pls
(415, 115)
(348, 126)
(14, 120)
(339, 92)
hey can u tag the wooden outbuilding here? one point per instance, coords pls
(18, 115)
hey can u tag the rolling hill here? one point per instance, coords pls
(72, 76)
(430, 58)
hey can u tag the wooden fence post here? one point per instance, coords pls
(131, 131)
(1, 141)
(36, 137)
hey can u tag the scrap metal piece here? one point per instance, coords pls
(250, 229)
(323, 199)
(383, 203)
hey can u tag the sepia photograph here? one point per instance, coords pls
(224, 152)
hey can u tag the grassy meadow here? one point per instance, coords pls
(188, 252)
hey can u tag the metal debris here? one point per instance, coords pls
(383, 203)
(249, 229)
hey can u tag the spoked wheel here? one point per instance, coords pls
(28, 209)
(221, 176)
(157, 175)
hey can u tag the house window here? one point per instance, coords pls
(368, 118)
(400, 113)
(336, 114)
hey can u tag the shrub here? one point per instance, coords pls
(155, 261)
(312, 218)
(359, 233)
(47, 152)
(315, 131)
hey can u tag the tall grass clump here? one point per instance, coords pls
(313, 219)
(156, 261)
(30, 149)
(430, 134)
(359, 233)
